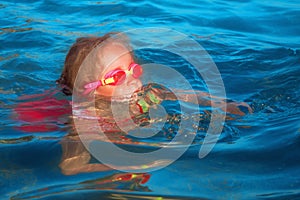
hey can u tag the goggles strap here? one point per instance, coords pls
(91, 86)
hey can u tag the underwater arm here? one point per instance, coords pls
(76, 158)
(74, 168)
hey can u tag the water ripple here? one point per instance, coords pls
(255, 45)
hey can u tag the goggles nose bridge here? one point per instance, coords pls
(130, 71)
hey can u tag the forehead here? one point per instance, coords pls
(113, 52)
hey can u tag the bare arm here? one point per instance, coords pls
(205, 99)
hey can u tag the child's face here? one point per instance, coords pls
(116, 56)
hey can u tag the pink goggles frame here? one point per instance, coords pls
(115, 77)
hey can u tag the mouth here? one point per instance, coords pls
(122, 98)
(126, 94)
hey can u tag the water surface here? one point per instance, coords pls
(255, 45)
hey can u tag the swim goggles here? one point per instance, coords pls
(115, 77)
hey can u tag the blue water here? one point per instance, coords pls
(255, 45)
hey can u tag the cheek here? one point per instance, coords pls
(106, 91)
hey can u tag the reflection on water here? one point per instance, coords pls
(15, 29)
(127, 182)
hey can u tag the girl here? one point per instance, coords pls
(104, 67)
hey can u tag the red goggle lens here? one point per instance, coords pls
(137, 70)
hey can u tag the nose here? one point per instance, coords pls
(133, 82)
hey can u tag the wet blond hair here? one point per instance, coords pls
(79, 52)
